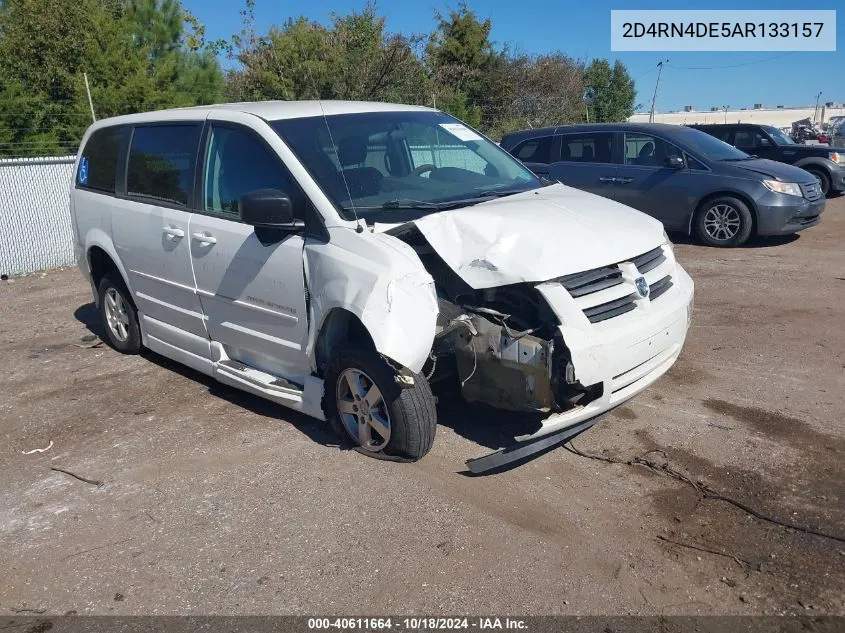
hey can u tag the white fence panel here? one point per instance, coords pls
(35, 225)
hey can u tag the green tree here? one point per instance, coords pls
(134, 63)
(461, 61)
(610, 92)
(354, 57)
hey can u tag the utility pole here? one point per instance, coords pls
(90, 101)
(725, 108)
(654, 98)
(816, 111)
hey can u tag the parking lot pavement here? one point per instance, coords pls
(211, 501)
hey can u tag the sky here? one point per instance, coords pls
(581, 29)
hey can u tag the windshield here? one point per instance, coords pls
(779, 136)
(395, 166)
(711, 147)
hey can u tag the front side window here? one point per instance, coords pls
(706, 146)
(238, 163)
(389, 166)
(648, 150)
(779, 136)
(534, 150)
(595, 147)
(750, 139)
(160, 162)
(98, 163)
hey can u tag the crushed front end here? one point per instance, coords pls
(571, 348)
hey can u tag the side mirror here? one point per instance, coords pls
(266, 207)
(764, 142)
(674, 162)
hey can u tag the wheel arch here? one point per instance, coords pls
(722, 193)
(100, 257)
(816, 162)
(339, 327)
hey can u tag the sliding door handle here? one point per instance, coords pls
(204, 239)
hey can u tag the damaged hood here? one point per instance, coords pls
(536, 236)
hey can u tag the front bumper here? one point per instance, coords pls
(837, 180)
(625, 354)
(780, 214)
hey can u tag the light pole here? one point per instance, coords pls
(654, 98)
(816, 111)
(725, 108)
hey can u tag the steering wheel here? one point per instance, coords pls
(418, 171)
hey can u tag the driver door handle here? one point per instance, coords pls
(173, 233)
(204, 238)
(624, 181)
(607, 179)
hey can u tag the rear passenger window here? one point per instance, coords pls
(587, 148)
(534, 150)
(98, 163)
(161, 162)
(238, 163)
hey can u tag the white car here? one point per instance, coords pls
(338, 257)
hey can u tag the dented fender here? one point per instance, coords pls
(382, 282)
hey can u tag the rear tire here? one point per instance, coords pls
(362, 417)
(724, 222)
(822, 177)
(118, 315)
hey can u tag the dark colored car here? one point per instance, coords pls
(827, 164)
(689, 180)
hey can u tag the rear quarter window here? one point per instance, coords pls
(97, 168)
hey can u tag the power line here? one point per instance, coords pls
(756, 61)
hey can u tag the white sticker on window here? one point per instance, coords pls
(461, 131)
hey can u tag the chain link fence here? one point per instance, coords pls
(35, 224)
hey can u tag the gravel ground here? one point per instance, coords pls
(215, 502)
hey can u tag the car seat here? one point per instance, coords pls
(362, 180)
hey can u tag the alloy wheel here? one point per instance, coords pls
(363, 410)
(722, 222)
(116, 315)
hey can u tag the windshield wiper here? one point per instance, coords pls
(482, 196)
(734, 160)
(407, 203)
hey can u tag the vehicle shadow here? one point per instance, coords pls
(89, 316)
(758, 241)
(314, 429)
(490, 428)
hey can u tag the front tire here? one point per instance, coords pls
(368, 409)
(724, 222)
(821, 176)
(118, 315)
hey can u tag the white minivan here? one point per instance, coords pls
(338, 258)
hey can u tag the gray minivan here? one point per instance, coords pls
(687, 179)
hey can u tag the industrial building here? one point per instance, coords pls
(778, 116)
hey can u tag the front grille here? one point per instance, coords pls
(585, 283)
(659, 287)
(811, 191)
(611, 309)
(598, 291)
(650, 260)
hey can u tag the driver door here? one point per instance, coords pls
(252, 292)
